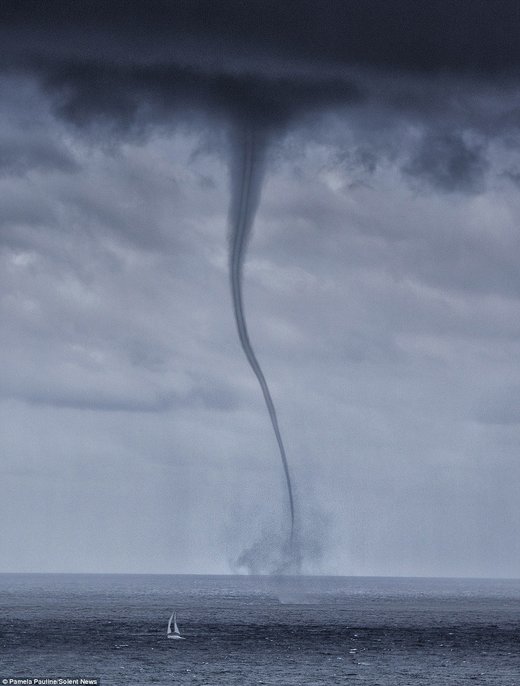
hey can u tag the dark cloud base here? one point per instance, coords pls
(417, 35)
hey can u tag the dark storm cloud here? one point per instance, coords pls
(267, 64)
(261, 60)
(418, 35)
(138, 95)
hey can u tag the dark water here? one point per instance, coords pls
(259, 630)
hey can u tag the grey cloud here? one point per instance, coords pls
(219, 398)
(97, 403)
(29, 139)
(467, 245)
(20, 155)
(24, 206)
(112, 193)
(449, 163)
(500, 407)
(512, 175)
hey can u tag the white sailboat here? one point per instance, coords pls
(175, 633)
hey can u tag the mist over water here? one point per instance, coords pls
(247, 175)
(272, 553)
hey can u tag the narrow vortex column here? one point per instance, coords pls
(246, 182)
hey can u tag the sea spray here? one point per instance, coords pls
(270, 553)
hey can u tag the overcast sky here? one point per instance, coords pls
(381, 286)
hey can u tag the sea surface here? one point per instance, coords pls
(260, 630)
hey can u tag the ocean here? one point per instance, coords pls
(260, 630)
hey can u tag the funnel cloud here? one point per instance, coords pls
(247, 172)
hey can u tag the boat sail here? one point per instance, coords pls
(175, 633)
